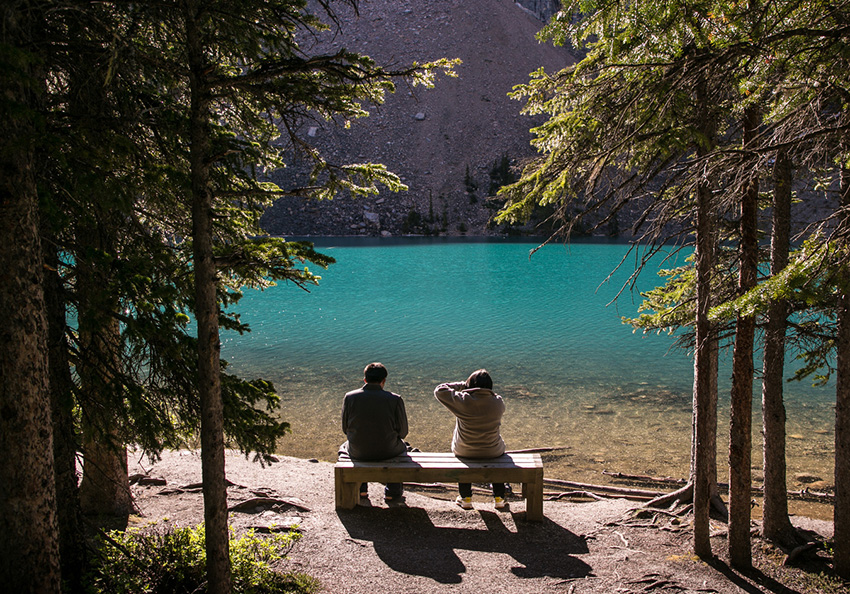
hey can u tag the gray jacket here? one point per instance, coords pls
(479, 416)
(375, 423)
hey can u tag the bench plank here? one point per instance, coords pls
(446, 467)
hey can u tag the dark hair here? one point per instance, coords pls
(375, 373)
(480, 379)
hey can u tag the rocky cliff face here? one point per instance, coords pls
(452, 145)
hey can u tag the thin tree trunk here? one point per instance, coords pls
(841, 517)
(206, 314)
(29, 549)
(705, 415)
(776, 524)
(711, 398)
(72, 549)
(705, 370)
(740, 425)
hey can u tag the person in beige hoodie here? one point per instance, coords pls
(479, 412)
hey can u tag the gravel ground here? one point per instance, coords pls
(427, 544)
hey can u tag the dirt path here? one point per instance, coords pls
(428, 544)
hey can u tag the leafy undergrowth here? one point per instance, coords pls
(172, 561)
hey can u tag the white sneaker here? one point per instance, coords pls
(500, 503)
(464, 502)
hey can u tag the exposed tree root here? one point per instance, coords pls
(679, 496)
(685, 496)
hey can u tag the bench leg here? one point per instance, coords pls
(347, 494)
(533, 493)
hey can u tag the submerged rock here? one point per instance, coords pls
(807, 478)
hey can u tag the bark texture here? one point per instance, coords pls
(776, 525)
(29, 550)
(741, 410)
(705, 409)
(105, 488)
(704, 467)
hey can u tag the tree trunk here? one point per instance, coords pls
(105, 488)
(206, 314)
(705, 415)
(711, 398)
(776, 524)
(705, 351)
(72, 549)
(740, 425)
(841, 517)
(709, 442)
(29, 550)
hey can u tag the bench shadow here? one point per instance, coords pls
(407, 540)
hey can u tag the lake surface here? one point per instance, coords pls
(572, 375)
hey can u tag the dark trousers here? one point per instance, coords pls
(465, 489)
(391, 490)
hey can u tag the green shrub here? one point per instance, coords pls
(173, 561)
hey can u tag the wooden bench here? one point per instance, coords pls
(428, 467)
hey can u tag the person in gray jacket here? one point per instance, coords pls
(479, 411)
(375, 423)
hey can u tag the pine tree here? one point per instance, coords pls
(29, 552)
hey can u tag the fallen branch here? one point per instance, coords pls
(642, 493)
(803, 494)
(445, 487)
(565, 494)
(655, 499)
(645, 479)
(428, 485)
(817, 496)
(538, 450)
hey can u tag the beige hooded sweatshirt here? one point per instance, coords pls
(479, 415)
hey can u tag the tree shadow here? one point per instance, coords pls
(752, 580)
(407, 540)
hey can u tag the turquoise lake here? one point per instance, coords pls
(572, 375)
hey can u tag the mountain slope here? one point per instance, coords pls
(440, 141)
